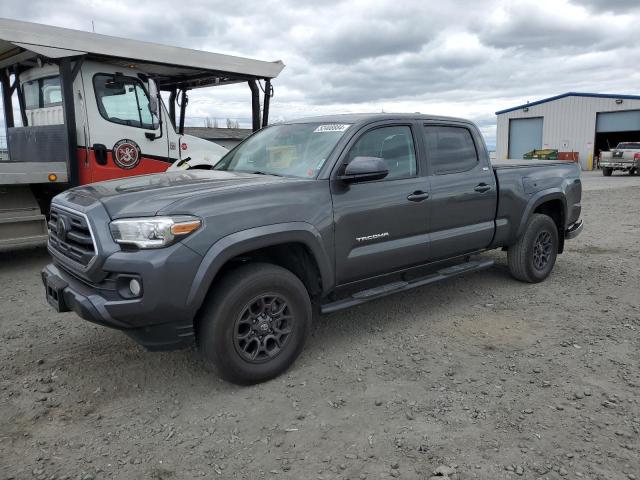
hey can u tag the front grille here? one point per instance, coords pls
(70, 234)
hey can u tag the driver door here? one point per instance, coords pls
(125, 138)
(382, 226)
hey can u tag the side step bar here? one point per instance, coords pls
(400, 286)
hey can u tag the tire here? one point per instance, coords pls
(247, 315)
(533, 256)
(607, 171)
(632, 172)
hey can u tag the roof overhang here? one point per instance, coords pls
(21, 42)
(569, 94)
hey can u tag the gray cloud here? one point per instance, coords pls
(462, 57)
(532, 27)
(620, 6)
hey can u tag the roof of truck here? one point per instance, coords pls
(354, 118)
(24, 41)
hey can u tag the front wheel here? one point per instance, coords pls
(632, 172)
(533, 256)
(255, 323)
(607, 171)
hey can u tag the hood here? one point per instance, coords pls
(145, 195)
(199, 151)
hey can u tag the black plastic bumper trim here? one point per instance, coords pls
(90, 305)
(574, 230)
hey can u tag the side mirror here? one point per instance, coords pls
(153, 97)
(363, 169)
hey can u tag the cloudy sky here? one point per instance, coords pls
(464, 58)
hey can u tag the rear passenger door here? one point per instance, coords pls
(463, 196)
(381, 226)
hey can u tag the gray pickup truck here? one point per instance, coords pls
(316, 214)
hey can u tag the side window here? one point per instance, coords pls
(123, 100)
(394, 145)
(51, 92)
(31, 93)
(450, 149)
(42, 93)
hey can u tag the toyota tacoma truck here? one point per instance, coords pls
(312, 215)
(625, 157)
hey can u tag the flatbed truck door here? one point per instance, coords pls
(462, 204)
(125, 138)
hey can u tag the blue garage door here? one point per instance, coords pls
(525, 134)
(627, 121)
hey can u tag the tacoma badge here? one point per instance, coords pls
(375, 236)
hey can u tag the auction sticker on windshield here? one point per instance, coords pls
(331, 128)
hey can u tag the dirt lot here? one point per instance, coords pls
(481, 376)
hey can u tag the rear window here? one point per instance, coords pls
(42, 93)
(450, 149)
(629, 146)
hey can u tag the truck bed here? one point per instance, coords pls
(522, 182)
(514, 163)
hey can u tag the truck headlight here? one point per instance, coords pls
(153, 232)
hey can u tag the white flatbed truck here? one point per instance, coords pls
(91, 109)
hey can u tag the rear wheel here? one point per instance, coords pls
(633, 171)
(607, 171)
(255, 323)
(533, 256)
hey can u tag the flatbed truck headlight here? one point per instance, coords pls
(153, 232)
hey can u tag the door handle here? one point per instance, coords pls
(417, 196)
(483, 187)
(100, 152)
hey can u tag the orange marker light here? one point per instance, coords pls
(185, 227)
(52, 177)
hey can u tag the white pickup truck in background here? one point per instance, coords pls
(625, 157)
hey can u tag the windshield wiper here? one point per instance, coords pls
(259, 172)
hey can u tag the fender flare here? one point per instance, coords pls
(252, 239)
(538, 199)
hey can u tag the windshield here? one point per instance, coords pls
(290, 150)
(628, 146)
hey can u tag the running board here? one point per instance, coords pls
(400, 286)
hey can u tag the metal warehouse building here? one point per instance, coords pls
(582, 123)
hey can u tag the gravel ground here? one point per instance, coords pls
(479, 377)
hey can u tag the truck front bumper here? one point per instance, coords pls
(158, 319)
(574, 230)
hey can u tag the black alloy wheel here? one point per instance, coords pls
(542, 250)
(532, 257)
(254, 323)
(263, 328)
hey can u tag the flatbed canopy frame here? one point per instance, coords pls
(23, 44)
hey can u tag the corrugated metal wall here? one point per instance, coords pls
(569, 124)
